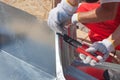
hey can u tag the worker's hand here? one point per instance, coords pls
(54, 20)
(59, 15)
(75, 19)
(105, 47)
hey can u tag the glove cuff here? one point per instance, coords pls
(75, 18)
(109, 45)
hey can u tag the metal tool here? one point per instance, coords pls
(80, 48)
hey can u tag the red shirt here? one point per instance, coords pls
(101, 30)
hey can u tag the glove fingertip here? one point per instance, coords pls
(93, 63)
(82, 56)
(91, 50)
(87, 60)
(100, 58)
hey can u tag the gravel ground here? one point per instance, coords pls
(39, 8)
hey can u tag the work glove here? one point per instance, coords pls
(75, 18)
(54, 20)
(105, 47)
(59, 15)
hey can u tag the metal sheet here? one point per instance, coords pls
(27, 46)
(69, 56)
(28, 50)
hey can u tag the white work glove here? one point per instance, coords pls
(105, 47)
(59, 15)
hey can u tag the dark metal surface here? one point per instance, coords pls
(27, 46)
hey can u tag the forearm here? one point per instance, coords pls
(115, 37)
(104, 12)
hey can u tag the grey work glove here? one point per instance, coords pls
(59, 15)
(105, 47)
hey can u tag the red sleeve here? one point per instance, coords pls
(87, 7)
